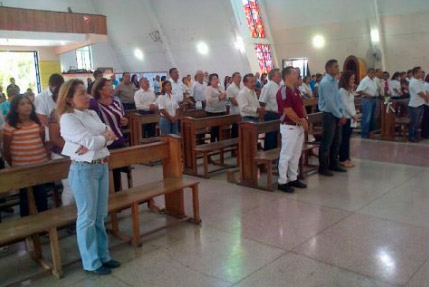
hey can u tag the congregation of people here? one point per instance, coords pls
(90, 118)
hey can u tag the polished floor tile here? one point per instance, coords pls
(294, 270)
(408, 203)
(367, 227)
(283, 223)
(222, 255)
(388, 251)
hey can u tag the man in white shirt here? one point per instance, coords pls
(418, 98)
(231, 93)
(176, 84)
(145, 100)
(268, 100)
(368, 90)
(44, 102)
(197, 90)
(248, 103)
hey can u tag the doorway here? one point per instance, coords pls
(23, 66)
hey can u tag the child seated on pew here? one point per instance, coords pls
(24, 145)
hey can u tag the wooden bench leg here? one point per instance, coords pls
(195, 205)
(136, 225)
(56, 255)
(206, 165)
(269, 174)
(34, 247)
(221, 157)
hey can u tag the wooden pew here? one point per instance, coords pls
(136, 124)
(250, 157)
(169, 151)
(191, 150)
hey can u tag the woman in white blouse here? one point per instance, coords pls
(215, 103)
(395, 85)
(168, 106)
(86, 140)
(346, 84)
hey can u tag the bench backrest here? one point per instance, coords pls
(136, 122)
(189, 129)
(315, 118)
(55, 170)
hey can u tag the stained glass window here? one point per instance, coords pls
(263, 53)
(254, 19)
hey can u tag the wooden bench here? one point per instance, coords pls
(249, 156)
(267, 158)
(137, 121)
(169, 151)
(191, 126)
(220, 148)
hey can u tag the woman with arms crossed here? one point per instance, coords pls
(88, 179)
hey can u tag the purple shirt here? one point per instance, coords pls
(110, 115)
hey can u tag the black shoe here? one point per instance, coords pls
(102, 270)
(325, 172)
(112, 264)
(297, 184)
(337, 169)
(286, 188)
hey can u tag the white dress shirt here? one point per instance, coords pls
(44, 103)
(169, 104)
(348, 98)
(86, 129)
(232, 92)
(197, 91)
(426, 87)
(306, 90)
(248, 103)
(368, 86)
(177, 88)
(144, 99)
(213, 104)
(416, 86)
(269, 96)
(380, 86)
(394, 84)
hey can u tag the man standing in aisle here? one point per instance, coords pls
(331, 104)
(268, 100)
(293, 126)
(177, 87)
(418, 98)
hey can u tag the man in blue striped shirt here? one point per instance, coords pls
(331, 105)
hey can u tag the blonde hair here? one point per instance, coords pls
(65, 95)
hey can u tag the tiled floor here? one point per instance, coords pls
(369, 227)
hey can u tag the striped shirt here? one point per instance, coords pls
(110, 115)
(26, 146)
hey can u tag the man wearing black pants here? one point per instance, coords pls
(269, 101)
(330, 103)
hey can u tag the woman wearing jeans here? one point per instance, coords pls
(168, 105)
(346, 86)
(88, 179)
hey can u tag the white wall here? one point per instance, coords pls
(406, 42)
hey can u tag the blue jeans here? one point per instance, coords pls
(368, 116)
(167, 127)
(90, 186)
(416, 116)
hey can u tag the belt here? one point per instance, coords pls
(287, 124)
(96, 161)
